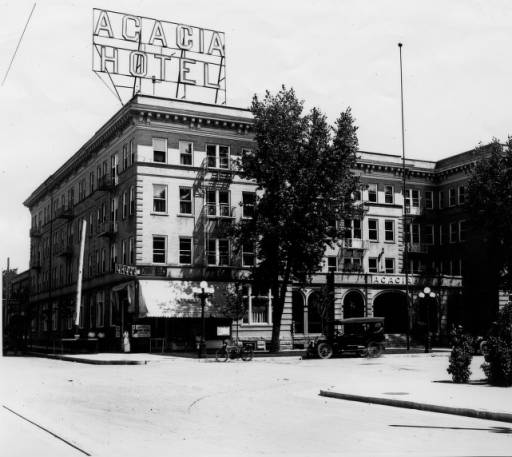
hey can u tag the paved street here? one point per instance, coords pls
(269, 406)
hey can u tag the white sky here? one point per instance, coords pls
(335, 53)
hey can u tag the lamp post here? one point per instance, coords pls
(202, 292)
(427, 293)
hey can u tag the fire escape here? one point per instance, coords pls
(216, 217)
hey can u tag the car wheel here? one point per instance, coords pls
(221, 355)
(324, 350)
(374, 349)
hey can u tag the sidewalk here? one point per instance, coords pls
(420, 381)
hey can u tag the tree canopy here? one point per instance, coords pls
(303, 168)
(489, 206)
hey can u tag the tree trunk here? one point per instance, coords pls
(279, 292)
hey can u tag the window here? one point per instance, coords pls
(412, 198)
(91, 182)
(372, 193)
(462, 230)
(113, 256)
(389, 264)
(186, 152)
(388, 194)
(131, 251)
(114, 168)
(373, 229)
(332, 264)
(100, 308)
(217, 203)
(217, 156)
(103, 261)
(259, 306)
(185, 200)
(55, 315)
(185, 251)
(453, 232)
(123, 252)
(125, 157)
(416, 266)
(125, 205)
(248, 255)
(132, 153)
(428, 234)
(413, 233)
(429, 199)
(160, 150)
(217, 252)
(352, 264)
(248, 200)
(132, 201)
(389, 230)
(159, 198)
(372, 265)
(462, 195)
(353, 228)
(159, 249)
(452, 197)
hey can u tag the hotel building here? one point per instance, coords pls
(157, 191)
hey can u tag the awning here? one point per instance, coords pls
(129, 286)
(166, 298)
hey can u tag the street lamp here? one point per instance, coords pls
(202, 292)
(427, 293)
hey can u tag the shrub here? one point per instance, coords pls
(498, 366)
(460, 359)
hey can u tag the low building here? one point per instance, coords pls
(156, 189)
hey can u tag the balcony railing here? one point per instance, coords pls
(106, 183)
(220, 211)
(413, 210)
(64, 250)
(64, 212)
(418, 248)
(36, 232)
(355, 243)
(107, 228)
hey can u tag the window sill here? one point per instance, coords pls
(153, 213)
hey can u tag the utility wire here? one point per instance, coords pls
(18, 45)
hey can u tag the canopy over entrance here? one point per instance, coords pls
(166, 298)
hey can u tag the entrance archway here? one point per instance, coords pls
(298, 311)
(353, 304)
(392, 306)
(314, 316)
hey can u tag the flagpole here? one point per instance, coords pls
(406, 241)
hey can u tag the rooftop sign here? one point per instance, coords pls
(138, 54)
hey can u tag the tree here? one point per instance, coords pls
(489, 208)
(303, 169)
(234, 305)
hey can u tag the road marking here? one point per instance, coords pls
(47, 431)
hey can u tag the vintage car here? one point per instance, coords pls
(363, 336)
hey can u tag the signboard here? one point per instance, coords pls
(138, 54)
(127, 270)
(141, 331)
(223, 331)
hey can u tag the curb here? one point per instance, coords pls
(88, 361)
(467, 412)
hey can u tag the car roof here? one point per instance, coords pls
(359, 320)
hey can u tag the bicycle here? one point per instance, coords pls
(234, 351)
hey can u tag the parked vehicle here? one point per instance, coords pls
(234, 351)
(363, 336)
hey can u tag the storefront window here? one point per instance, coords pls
(259, 306)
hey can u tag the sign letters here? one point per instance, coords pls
(138, 53)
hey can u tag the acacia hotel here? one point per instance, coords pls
(157, 190)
